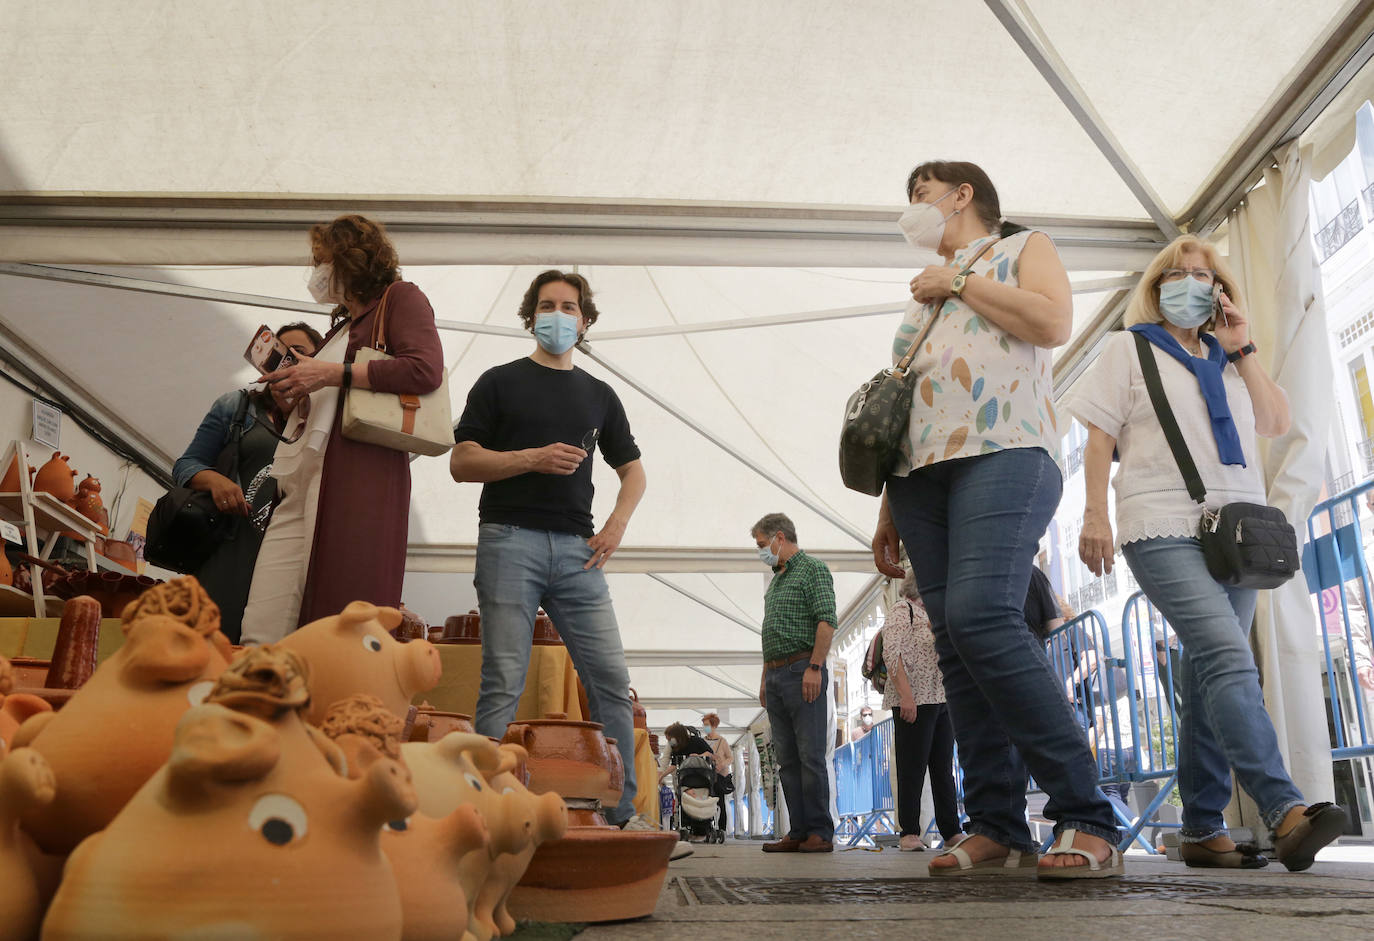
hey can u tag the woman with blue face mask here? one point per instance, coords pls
(1222, 398)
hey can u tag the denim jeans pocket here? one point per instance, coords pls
(496, 530)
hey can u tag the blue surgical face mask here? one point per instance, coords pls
(767, 556)
(1185, 303)
(556, 331)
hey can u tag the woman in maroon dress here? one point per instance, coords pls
(361, 497)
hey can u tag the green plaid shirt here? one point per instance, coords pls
(800, 596)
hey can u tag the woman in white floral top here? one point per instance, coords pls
(921, 734)
(972, 495)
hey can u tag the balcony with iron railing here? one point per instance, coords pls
(1368, 193)
(1366, 452)
(1339, 230)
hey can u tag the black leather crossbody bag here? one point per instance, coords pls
(1246, 545)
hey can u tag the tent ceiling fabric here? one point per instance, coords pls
(777, 131)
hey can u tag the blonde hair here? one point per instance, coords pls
(1144, 303)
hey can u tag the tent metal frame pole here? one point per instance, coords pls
(1347, 47)
(748, 323)
(723, 682)
(824, 512)
(687, 593)
(1025, 30)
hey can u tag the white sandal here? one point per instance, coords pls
(1015, 863)
(1095, 869)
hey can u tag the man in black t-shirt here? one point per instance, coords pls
(527, 435)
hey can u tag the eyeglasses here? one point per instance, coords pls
(590, 438)
(1205, 275)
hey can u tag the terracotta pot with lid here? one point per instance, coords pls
(463, 628)
(10, 482)
(641, 720)
(566, 756)
(615, 786)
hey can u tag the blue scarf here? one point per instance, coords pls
(1207, 371)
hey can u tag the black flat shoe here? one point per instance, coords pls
(1244, 856)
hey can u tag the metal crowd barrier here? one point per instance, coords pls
(863, 786)
(1337, 570)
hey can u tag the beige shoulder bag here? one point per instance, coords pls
(419, 424)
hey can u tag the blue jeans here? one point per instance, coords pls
(971, 528)
(1223, 722)
(518, 570)
(799, 730)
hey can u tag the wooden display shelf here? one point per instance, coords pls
(19, 604)
(51, 514)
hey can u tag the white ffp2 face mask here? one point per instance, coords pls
(321, 284)
(923, 224)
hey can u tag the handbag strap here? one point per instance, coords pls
(227, 463)
(904, 363)
(1182, 456)
(379, 323)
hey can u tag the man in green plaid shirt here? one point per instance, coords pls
(798, 624)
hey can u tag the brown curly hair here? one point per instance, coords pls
(364, 259)
(584, 296)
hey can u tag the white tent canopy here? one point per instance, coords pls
(703, 164)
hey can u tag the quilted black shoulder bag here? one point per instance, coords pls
(878, 413)
(185, 527)
(1246, 545)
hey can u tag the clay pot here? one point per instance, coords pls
(30, 672)
(6, 570)
(653, 743)
(23, 578)
(117, 550)
(10, 482)
(463, 629)
(545, 634)
(77, 648)
(412, 627)
(113, 590)
(566, 757)
(432, 724)
(625, 881)
(57, 478)
(616, 784)
(89, 505)
(641, 720)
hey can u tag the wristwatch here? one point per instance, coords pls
(956, 287)
(1241, 353)
(814, 666)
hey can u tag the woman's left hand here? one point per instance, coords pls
(307, 376)
(1232, 329)
(933, 283)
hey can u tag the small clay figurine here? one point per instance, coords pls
(354, 652)
(88, 503)
(26, 782)
(117, 730)
(250, 830)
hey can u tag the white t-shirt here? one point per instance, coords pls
(1151, 498)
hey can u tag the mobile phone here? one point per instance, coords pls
(266, 353)
(1217, 309)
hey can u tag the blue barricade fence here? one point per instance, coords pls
(863, 785)
(1337, 570)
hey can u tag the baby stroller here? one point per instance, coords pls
(698, 787)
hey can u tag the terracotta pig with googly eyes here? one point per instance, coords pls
(117, 730)
(251, 830)
(354, 652)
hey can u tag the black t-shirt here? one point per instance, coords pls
(1041, 605)
(696, 745)
(525, 405)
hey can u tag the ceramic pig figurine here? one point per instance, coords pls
(117, 730)
(26, 782)
(354, 652)
(550, 821)
(248, 831)
(425, 852)
(452, 772)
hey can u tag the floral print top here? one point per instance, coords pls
(906, 634)
(979, 389)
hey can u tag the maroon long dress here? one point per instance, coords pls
(362, 523)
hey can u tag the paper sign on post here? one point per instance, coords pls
(47, 424)
(10, 532)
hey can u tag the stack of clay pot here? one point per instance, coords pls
(467, 629)
(596, 872)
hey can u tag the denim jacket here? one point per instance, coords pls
(211, 437)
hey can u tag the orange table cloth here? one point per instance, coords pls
(551, 685)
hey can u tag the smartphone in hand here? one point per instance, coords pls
(1217, 309)
(266, 353)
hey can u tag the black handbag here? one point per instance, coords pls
(185, 527)
(1246, 545)
(878, 413)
